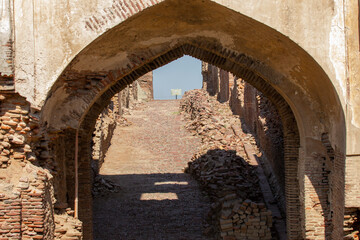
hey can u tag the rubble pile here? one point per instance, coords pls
(223, 172)
(213, 126)
(102, 186)
(122, 121)
(238, 211)
(352, 222)
(244, 219)
(67, 227)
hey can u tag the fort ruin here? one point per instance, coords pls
(61, 64)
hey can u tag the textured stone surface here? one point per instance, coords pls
(303, 55)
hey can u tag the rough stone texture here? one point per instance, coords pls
(303, 55)
(26, 204)
(259, 116)
(156, 200)
(17, 130)
(67, 227)
(352, 221)
(104, 130)
(139, 91)
(226, 166)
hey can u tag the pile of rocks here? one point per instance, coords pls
(15, 126)
(352, 223)
(102, 186)
(223, 170)
(67, 227)
(25, 194)
(122, 121)
(244, 219)
(212, 121)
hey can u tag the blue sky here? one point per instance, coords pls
(184, 73)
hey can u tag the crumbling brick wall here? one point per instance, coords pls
(28, 201)
(27, 198)
(259, 117)
(26, 205)
(138, 91)
(104, 130)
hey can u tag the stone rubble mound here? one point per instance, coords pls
(238, 211)
(102, 186)
(213, 122)
(244, 219)
(67, 227)
(122, 121)
(223, 172)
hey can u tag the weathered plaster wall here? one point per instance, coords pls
(6, 38)
(352, 198)
(6, 46)
(71, 24)
(317, 26)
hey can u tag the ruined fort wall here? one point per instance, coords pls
(104, 130)
(37, 170)
(40, 60)
(137, 92)
(259, 117)
(26, 191)
(79, 23)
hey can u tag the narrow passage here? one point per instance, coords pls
(156, 199)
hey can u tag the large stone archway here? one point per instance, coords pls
(314, 126)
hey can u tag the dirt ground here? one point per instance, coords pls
(157, 200)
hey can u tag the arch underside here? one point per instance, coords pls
(94, 76)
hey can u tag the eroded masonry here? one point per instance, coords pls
(62, 63)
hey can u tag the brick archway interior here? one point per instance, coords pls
(226, 60)
(301, 91)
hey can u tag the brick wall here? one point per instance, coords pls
(259, 117)
(104, 130)
(84, 87)
(15, 126)
(26, 204)
(140, 90)
(30, 196)
(262, 119)
(352, 183)
(210, 78)
(224, 92)
(323, 174)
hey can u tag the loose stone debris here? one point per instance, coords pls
(103, 186)
(238, 210)
(122, 121)
(68, 227)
